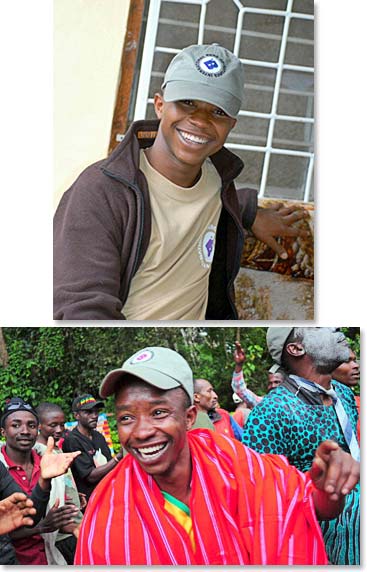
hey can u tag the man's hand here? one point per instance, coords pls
(275, 221)
(333, 470)
(55, 465)
(59, 518)
(334, 473)
(15, 512)
(83, 500)
(239, 355)
(69, 528)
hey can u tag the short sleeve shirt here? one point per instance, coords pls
(172, 280)
(30, 550)
(84, 463)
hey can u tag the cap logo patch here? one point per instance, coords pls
(210, 65)
(145, 355)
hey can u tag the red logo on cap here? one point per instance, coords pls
(142, 356)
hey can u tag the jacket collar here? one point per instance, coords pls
(123, 163)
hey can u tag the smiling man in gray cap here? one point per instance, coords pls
(156, 230)
(181, 497)
(308, 407)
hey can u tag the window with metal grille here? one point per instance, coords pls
(274, 40)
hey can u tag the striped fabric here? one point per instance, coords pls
(341, 535)
(246, 508)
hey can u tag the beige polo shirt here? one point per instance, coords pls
(172, 281)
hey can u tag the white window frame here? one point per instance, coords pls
(150, 48)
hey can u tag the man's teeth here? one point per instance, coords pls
(148, 451)
(193, 138)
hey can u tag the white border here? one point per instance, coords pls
(26, 186)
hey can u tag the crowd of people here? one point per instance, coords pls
(190, 484)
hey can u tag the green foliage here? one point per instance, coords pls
(35, 369)
(114, 433)
(56, 364)
(353, 336)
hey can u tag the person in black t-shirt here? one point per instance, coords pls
(96, 459)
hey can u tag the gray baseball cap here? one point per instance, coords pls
(275, 339)
(161, 367)
(207, 73)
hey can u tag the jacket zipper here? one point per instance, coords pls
(139, 194)
(238, 254)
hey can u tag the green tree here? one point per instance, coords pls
(56, 364)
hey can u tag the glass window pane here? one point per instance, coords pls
(300, 45)
(262, 37)
(249, 131)
(220, 16)
(259, 89)
(303, 6)
(296, 95)
(178, 25)
(286, 177)
(251, 173)
(293, 135)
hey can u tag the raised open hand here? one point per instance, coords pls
(239, 355)
(55, 465)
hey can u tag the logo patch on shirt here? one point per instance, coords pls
(145, 355)
(206, 247)
(210, 65)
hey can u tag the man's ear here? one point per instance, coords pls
(234, 123)
(196, 398)
(295, 349)
(191, 414)
(2, 432)
(158, 104)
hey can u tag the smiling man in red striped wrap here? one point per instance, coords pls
(184, 497)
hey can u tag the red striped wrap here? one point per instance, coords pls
(246, 508)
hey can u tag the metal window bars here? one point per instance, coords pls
(279, 66)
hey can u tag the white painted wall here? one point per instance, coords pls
(88, 41)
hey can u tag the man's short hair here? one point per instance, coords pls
(47, 407)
